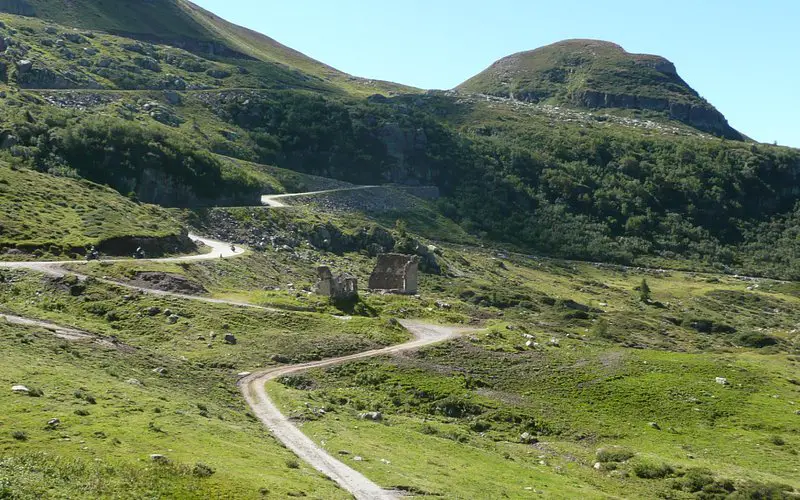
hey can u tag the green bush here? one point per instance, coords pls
(648, 470)
(202, 470)
(614, 454)
(757, 340)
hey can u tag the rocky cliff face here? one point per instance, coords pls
(701, 117)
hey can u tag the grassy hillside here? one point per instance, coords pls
(61, 216)
(182, 24)
(154, 389)
(585, 388)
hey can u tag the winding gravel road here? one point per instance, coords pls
(274, 200)
(283, 429)
(218, 250)
(252, 386)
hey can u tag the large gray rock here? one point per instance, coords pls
(173, 97)
(230, 339)
(24, 66)
(148, 63)
(218, 73)
(159, 459)
(74, 37)
(375, 416)
(20, 389)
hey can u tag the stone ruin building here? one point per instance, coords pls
(395, 273)
(342, 287)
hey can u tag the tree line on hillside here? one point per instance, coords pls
(602, 193)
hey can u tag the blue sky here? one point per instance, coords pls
(743, 56)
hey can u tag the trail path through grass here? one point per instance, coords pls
(253, 389)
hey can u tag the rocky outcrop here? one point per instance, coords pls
(402, 144)
(704, 118)
(32, 76)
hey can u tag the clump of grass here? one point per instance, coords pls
(82, 394)
(292, 463)
(19, 435)
(777, 440)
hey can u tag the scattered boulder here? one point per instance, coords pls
(53, 423)
(655, 426)
(375, 416)
(527, 438)
(218, 73)
(721, 381)
(105, 62)
(51, 30)
(20, 389)
(148, 63)
(24, 66)
(153, 311)
(230, 339)
(90, 51)
(159, 459)
(160, 370)
(173, 97)
(172, 319)
(74, 37)
(133, 381)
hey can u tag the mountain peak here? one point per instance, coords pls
(600, 74)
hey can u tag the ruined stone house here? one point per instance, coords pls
(342, 287)
(395, 273)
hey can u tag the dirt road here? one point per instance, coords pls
(274, 200)
(218, 250)
(252, 388)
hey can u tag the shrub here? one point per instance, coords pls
(777, 440)
(644, 291)
(19, 436)
(757, 340)
(766, 491)
(81, 412)
(202, 470)
(614, 454)
(694, 480)
(648, 470)
(292, 463)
